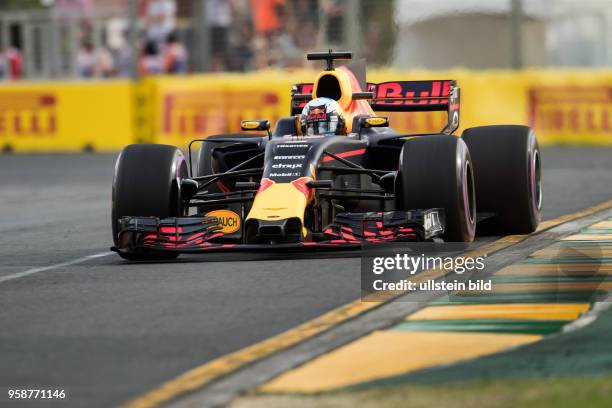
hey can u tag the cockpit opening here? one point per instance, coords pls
(329, 87)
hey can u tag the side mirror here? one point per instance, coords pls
(376, 121)
(255, 125)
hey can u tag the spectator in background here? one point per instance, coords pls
(241, 55)
(219, 20)
(151, 62)
(307, 16)
(175, 55)
(333, 11)
(308, 38)
(86, 60)
(2, 64)
(95, 63)
(286, 51)
(124, 56)
(267, 15)
(160, 20)
(13, 63)
(306, 11)
(105, 63)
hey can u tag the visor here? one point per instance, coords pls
(323, 127)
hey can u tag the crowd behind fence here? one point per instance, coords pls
(240, 35)
(110, 38)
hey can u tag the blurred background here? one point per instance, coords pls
(42, 39)
(99, 74)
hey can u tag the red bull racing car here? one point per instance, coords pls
(333, 175)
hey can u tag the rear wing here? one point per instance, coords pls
(300, 95)
(400, 96)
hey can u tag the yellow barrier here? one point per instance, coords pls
(185, 108)
(56, 116)
(564, 107)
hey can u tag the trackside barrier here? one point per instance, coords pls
(65, 116)
(184, 108)
(564, 107)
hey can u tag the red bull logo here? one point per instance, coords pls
(321, 116)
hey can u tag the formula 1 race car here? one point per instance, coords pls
(289, 190)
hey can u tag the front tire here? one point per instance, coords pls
(147, 184)
(508, 175)
(436, 172)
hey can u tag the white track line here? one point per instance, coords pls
(50, 267)
(590, 316)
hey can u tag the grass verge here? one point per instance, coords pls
(592, 392)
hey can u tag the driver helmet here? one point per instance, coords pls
(322, 116)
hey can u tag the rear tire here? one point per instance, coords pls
(436, 172)
(508, 175)
(147, 184)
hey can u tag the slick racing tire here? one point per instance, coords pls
(436, 172)
(147, 183)
(508, 176)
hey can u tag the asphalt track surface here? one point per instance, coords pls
(106, 330)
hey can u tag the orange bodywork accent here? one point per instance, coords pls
(280, 201)
(348, 85)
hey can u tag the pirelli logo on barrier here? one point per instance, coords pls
(584, 112)
(197, 113)
(66, 116)
(28, 114)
